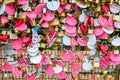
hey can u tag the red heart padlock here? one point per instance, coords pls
(4, 38)
(25, 39)
(104, 48)
(105, 8)
(84, 29)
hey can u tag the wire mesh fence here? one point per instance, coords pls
(99, 73)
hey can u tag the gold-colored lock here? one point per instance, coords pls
(13, 36)
(62, 14)
(77, 78)
(107, 14)
(105, 72)
(22, 15)
(28, 30)
(4, 32)
(2, 64)
(116, 18)
(98, 76)
(65, 69)
(45, 1)
(119, 2)
(61, 33)
(116, 51)
(79, 31)
(90, 31)
(62, 20)
(16, 31)
(111, 1)
(90, 0)
(55, 22)
(98, 8)
(43, 45)
(96, 64)
(63, 1)
(97, 1)
(29, 9)
(110, 77)
(56, 29)
(5, 75)
(9, 1)
(10, 17)
(58, 40)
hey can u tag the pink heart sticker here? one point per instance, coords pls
(45, 59)
(80, 55)
(20, 51)
(75, 73)
(98, 31)
(48, 16)
(62, 75)
(22, 1)
(59, 62)
(103, 36)
(8, 66)
(65, 56)
(1, 68)
(73, 42)
(68, 56)
(70, 29)
(16, 44)
(22, 62)
(76, 66)
(31, 14)
(4, 20)
(45, 24)
(31, 77)
(71, 20)
(22, 27)
(92, 77)
(49, 70)
(81, 41)
(39, 8)
(16, 72)
(10, 9)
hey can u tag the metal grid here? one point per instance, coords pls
(83, 75)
